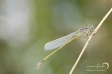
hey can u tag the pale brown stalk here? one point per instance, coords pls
(93, 33)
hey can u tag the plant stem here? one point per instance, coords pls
(93, 33)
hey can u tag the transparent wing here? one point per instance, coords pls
(60, 41)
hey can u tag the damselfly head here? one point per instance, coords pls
(90, 26)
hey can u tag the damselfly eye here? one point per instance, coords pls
(90, 26)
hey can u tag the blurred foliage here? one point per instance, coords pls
(27, 25)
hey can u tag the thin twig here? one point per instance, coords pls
(94, 32)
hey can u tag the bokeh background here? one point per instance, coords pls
(27, 25)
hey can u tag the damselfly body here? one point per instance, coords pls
(61, 42)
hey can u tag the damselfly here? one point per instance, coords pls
(61, 42)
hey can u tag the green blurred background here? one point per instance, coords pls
(27, 25)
